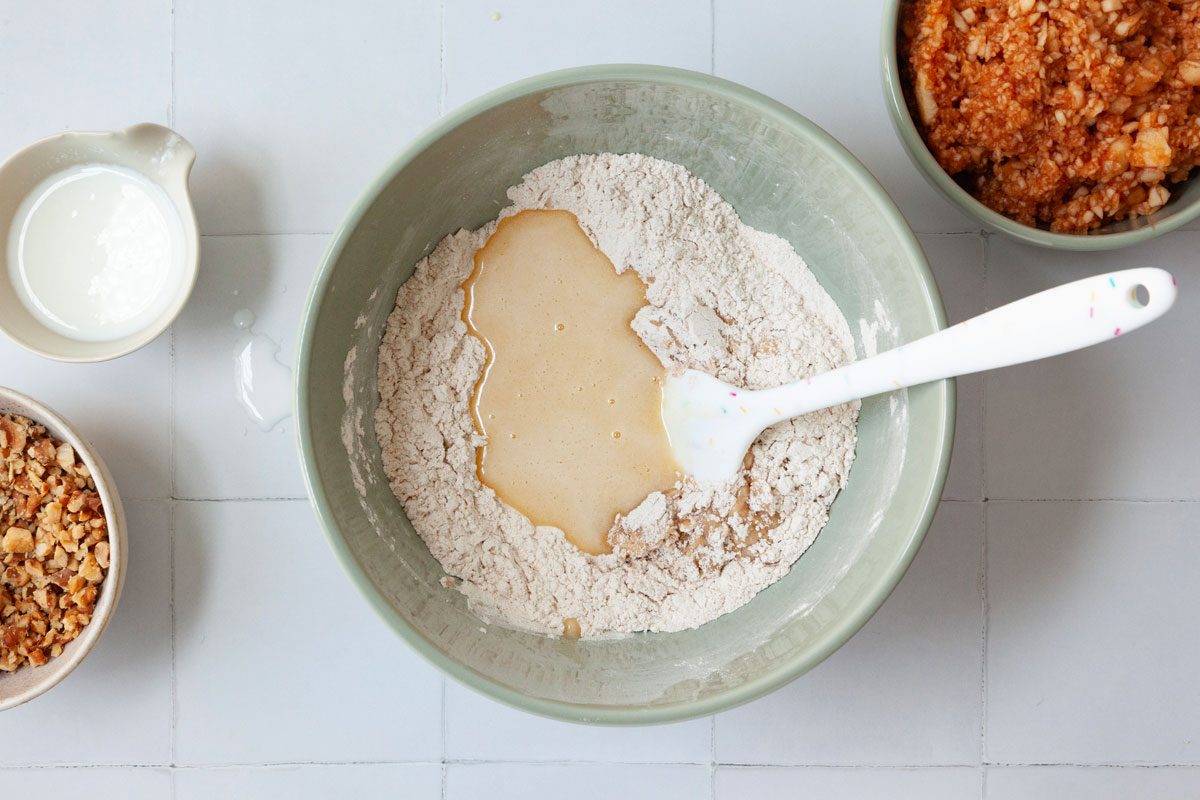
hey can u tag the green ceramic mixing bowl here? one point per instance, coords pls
(782, 174)
(1182, 208)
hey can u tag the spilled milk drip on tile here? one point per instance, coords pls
(262, 381)
(570, 399)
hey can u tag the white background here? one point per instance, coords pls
(1045, 643)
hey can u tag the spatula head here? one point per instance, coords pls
(711, 424)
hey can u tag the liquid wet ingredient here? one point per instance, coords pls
(262, 382)
(570, 402)
(54, 550)
(719, 297)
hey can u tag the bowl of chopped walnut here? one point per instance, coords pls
(62, 544)
(1064, 123)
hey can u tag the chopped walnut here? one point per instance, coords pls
(17, 540)
(54, 552)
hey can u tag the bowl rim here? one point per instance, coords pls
(867, 604)
(62, 429)
(918, 152)
(187, 219)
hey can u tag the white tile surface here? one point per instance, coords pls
(122, 407)
(957, 263)
(269, 276)
(1114, 421)
(829, 72)
(579, 782)
(60, 74)
(125, 682)
(104, 783)
(479, 729)
(904, 691)
(786, 783)
(293, 110)
(1078, 783)
(1093, 645)
(533, 36)
(406, 781)
(278, 659)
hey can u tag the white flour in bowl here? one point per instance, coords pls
(723, 298)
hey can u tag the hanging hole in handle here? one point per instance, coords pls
(1139, 296)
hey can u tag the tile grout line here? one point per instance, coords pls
(712, 37)
(445, 759)
(983, 658)
(441, 101)
(712, 756)
(985, 252)
(1097, 765)
(475, 762)
(172, 505)
(1127, 500)
(171, 102)
(846, 767)
(174, 738)
(172, 735)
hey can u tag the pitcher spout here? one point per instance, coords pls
(166, 154)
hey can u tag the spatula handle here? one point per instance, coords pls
(1059, 320)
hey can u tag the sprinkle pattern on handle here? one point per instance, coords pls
(1056, 321)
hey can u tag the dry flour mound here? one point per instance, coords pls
(723, 298)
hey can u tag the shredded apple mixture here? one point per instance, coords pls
(1062, 113)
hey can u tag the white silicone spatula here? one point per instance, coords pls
(711, 424)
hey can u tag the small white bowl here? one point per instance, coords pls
(28, 682)
(158, 153)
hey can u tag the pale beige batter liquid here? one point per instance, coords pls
(570, 400)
